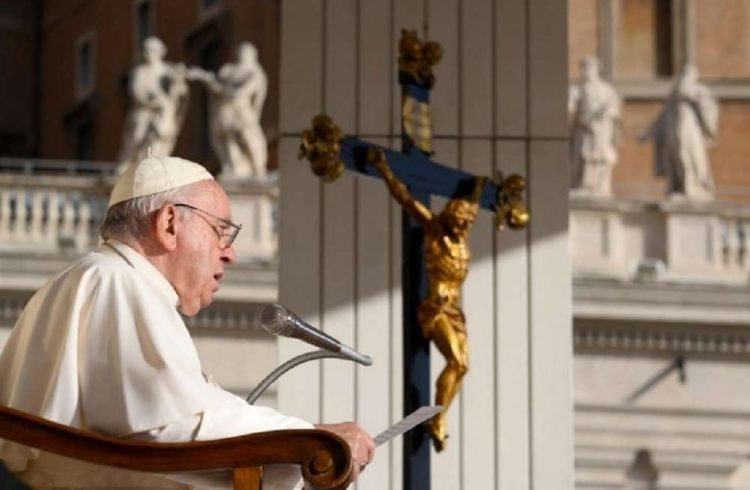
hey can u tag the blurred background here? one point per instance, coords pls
(660, 279)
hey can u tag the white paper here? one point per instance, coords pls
(412, 420)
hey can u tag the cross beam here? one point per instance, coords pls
(418, 172)
(330, 152)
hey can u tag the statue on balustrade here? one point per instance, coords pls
(688, 122)
(237, 93)
(159, 99)
(595, 110)
(447, 258)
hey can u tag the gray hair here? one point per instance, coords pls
(130, 219)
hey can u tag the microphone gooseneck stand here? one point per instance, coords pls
(296, 361)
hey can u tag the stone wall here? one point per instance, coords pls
(714, 36)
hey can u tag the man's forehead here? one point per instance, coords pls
(212, 198)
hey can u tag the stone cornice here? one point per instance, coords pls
(658, 90)
(682, 206)
(706, 302)
(662, 339)
(660, 318)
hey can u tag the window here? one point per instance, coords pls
(209, 60)
(85, 65)
(144, 22)
(644, 44)
(209, 4)
(207, 8)
(643, 39)
(85, 141)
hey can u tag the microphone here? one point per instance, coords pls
(278, 320)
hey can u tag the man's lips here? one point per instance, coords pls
(217, 278)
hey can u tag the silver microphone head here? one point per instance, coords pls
(275, 319)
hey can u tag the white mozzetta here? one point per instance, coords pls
(108, 351)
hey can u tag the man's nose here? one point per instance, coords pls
(229, 255)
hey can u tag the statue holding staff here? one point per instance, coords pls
(681, 133)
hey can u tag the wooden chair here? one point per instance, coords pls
(323, 457)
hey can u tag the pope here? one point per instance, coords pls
(102, 346)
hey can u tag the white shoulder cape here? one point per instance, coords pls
(102, 347)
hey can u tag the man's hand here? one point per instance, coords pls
(360, 443)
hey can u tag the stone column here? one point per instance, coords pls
(499, 104)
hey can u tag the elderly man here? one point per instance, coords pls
(102, 345)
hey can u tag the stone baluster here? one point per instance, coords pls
(83, 227)
(36, 231)
(726, 237)
(743, 234)
(67, 230)
(266, 228)
(98, 210)
(53, 218)
(5, 215)
(255, 225)
(19, 231)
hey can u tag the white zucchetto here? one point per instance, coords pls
(152, 175)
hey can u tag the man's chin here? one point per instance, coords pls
(188, 310)
(192, 308)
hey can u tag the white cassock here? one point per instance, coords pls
(102, 347)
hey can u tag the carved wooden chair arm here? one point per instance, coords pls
(324, 458)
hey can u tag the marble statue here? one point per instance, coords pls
(159, 99)
(595, 110)
(237, 93)
(681, 132)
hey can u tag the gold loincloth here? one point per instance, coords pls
(431, 310)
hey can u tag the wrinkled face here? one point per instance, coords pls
(198, 262)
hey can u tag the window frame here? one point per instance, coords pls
(683, 51)
(137, 48)
(90, 38)
(208, 12)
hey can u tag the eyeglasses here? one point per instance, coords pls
(226, 232)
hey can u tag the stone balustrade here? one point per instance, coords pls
(49, 207)
(669, 240)
(48, 214)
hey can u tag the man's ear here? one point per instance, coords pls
(166, 224)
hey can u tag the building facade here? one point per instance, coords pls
(73, 57)
(643, 45)
(661, 305)
(661, 296)
(61, 126)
